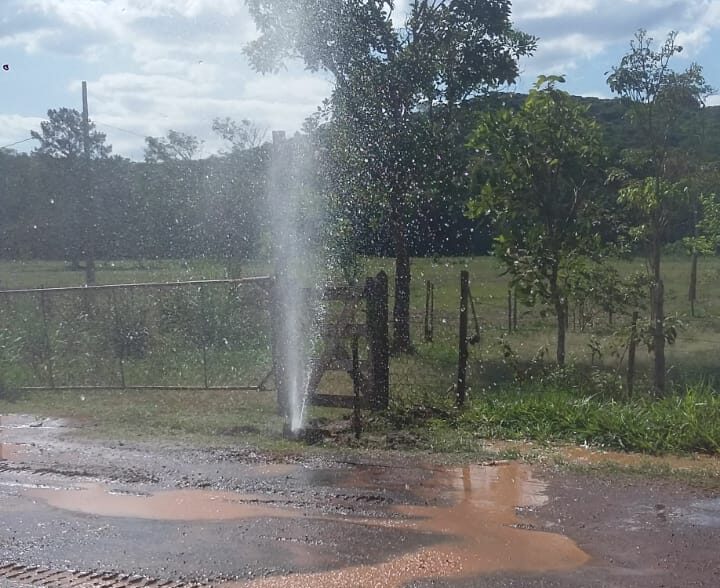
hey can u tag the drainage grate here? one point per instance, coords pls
(46, 577)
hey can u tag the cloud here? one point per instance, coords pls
(153, 65)
(15, 128)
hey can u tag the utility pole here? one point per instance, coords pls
(88, 213)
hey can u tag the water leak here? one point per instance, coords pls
(477, 517)
(469, 517)
(174, 505)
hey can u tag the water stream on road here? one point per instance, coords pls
(471, 512)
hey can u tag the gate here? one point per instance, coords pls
(341, 350)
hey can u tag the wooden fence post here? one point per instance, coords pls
(46, 331)
(631, 354)
(463, 344)
(278, 360)
(376, 292)
(509, 310)
(429, 311)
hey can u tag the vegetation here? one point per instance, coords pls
(381, 152)
(569, 189)
(549, 206)
(658, 96)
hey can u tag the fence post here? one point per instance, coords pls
(277, 353)
(205, 333)
(376, 291)
(357, 387)
(121, 338)
(429, 310)
(631, 354)
(463, 344)
(509, 311)
(46, 331)
(515, 311)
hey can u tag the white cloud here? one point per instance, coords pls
(14, 128)
(163, 64)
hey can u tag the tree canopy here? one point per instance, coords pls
(396, 94)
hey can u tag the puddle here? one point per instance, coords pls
(175, 505)
(12, 451)
(705, 513)
(274, 470)
(477, 516)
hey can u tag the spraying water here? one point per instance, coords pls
(294, 227)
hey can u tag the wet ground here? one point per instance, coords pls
(79, 514)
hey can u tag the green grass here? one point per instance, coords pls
(514, 391)
(200, 417)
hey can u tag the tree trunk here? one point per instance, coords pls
(561, 330)
(560, 314)
(692, 293)
(658, 306)
(401, 308)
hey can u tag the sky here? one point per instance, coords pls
(156, 65)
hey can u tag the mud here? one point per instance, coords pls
(481, 529)
(173, 505)
(12, 451)
(238, 518)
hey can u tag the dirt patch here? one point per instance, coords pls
(12, 451)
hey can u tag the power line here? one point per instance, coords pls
(119, 129)
(17, 143)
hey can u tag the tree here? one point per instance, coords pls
(241, 136)
(176, 146)
(542, 176)
(396, 94)
(62, 137)
(705, 232)
(658, 96)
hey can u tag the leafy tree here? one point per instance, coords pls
(658, 96)
(241, 135)
(61, 137)
(176, 146)
(543, 174)
(705, 236)
(384, 76)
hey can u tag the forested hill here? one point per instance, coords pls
(700, 131)
(215, 206)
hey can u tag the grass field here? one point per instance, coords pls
(515, 392)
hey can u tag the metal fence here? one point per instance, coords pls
(210, 334)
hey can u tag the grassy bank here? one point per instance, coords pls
(515, 392)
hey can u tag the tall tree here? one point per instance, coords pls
(176, 146)
(64, 137)
(658, 97)
(241, 135)
(543, 175)
(61, 136)
(384, 76)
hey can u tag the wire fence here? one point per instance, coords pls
(510, 341)
(184, 335)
